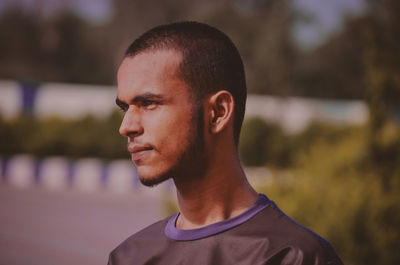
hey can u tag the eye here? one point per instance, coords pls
(149, 104)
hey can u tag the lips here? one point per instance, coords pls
(138, 151)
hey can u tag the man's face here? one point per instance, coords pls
(159, 120)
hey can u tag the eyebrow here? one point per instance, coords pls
(140, 98)
(120, 103)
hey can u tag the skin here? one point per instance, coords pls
(169, 137)
(158, 115)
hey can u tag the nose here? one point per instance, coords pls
(131, 124)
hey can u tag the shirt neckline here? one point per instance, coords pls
(183, 235)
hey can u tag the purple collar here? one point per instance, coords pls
(179, 234)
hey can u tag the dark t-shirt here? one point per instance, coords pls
(261, 235)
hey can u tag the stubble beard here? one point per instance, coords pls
(192, 154)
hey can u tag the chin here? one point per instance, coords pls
(151, 180)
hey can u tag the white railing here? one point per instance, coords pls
(84, 174)
(73, 101)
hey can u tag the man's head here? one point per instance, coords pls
(167, 76)
(210, 61)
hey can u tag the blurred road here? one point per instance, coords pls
(40, 227)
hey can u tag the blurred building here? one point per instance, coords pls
(72, 101)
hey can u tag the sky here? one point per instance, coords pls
(95, 11)
(327, 18)
(327, 15)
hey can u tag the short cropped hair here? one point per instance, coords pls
(210, 61)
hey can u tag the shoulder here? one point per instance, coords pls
(291, 240)
(132, 248)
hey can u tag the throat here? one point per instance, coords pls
(205, 207)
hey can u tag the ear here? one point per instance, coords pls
(220, 111)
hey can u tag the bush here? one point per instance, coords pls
(261, 143)
(333, 192)
(74, 138)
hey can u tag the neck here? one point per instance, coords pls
(220, 193)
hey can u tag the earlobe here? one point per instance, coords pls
(221, 112)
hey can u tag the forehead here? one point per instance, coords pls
(150, 70)
(151, 61)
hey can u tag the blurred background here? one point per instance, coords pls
(321, 135)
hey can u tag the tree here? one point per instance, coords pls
(60, 48)
(381, 34)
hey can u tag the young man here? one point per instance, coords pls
(182, 88)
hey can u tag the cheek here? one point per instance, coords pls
(171, 132)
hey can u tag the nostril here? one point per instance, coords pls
(132, 133)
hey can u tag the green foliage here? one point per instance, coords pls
(381, 59)
(61, 48)
(265, 144)
(84, 137)
(263, 39)
(261, 143)
(332, 191)
(9, 137)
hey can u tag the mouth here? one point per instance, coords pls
(137, 152)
